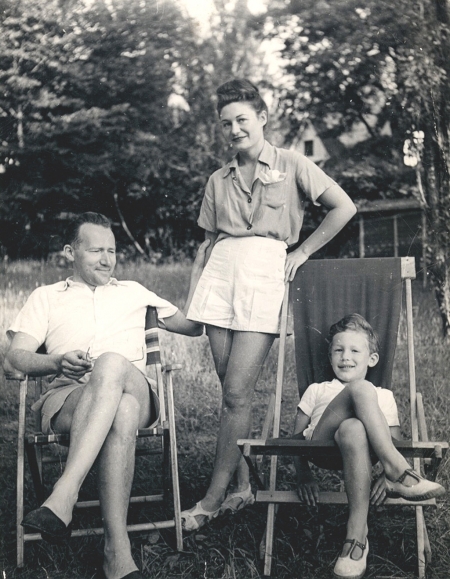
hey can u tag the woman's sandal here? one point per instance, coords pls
(190, 523)
(235, 502)
(424, 489)
(348, 568)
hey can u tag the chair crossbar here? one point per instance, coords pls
(308, 448)
(279, 497)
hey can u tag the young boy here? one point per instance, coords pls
(361, 418)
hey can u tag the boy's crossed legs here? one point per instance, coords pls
(354, 420)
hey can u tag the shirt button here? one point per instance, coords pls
(249, 199)
(249, 227)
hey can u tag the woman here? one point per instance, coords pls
(252, 212)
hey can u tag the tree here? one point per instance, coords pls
(374, 63)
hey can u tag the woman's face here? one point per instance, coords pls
(242, 126)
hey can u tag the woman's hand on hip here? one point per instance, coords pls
(294, 260)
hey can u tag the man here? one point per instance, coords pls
(92, 327)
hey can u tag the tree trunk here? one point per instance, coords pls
(436, 122)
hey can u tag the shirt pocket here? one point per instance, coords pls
(274, 195)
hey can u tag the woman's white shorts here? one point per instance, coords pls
(242, 285)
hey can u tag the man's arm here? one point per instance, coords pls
(307, 487)
(22, 357)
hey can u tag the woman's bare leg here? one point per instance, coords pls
(245, 359)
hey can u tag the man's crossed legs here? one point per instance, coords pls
(102, 418)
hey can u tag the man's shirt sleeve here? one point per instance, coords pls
(33, 317)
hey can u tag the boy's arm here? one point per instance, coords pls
(178, 322)
(307, 487)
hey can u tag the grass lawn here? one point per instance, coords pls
(307, 539)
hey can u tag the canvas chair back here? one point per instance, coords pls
(324, 291)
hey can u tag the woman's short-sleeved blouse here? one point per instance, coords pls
(274, 206)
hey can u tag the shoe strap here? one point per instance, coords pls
(408, 472)
(354, 544)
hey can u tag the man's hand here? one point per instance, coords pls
(307, 488)
(378, 492)
(10, 372)
(75, 364)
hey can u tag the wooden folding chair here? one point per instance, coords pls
(322, 292)
(34, 443)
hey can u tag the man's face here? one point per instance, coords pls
(94, 258)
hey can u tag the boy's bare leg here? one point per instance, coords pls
(359, 400)
(352, 441)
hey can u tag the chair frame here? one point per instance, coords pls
(31, 445)
(419, 448)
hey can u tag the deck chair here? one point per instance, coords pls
(33, 443)
(322, 292)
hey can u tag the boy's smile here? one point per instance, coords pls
(350, 356)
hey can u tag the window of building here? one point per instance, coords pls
(309, 148)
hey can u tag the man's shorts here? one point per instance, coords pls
(52, 401)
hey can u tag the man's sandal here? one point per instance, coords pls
(190, 523)
(424, 489)
(235, 502)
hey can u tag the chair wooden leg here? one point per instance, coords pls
(20, 474)
(166, 467)
(269, 540)
(174, 463)
(421, 553)
(427, 546)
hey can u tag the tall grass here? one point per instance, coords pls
(307, 540)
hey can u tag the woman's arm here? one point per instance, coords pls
(212, 237)
(340, 210)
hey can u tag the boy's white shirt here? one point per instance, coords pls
(318, 395)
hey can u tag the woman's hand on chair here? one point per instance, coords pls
(294, 260)
(307, 488)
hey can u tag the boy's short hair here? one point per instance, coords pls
(73, 228)
(355, 323)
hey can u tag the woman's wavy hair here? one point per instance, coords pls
(355, 323)
(240, 90)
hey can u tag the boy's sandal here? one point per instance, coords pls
(235, 502)
(424, 489)
(348, 568)
(190, 523)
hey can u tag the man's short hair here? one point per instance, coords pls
(355, 323)
(73, 229)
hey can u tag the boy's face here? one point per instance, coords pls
(350, 356)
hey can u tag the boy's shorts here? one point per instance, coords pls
(52, 401)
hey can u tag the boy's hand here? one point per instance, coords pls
(378, 492)
(308, 489)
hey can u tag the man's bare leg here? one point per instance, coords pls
(115, 477)
(88, 414)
